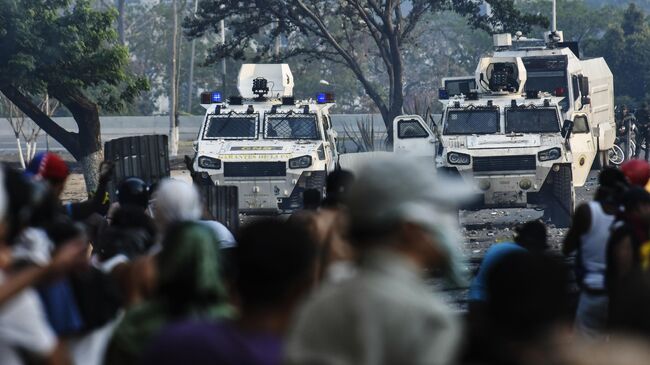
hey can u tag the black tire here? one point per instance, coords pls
(559, 195)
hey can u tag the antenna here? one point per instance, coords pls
(554, 24)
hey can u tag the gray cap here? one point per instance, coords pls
(395, 189)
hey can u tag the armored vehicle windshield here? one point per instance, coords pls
(472, 121)
(537, 120)
(231, 126)
(291, 126)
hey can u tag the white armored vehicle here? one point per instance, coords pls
(270, 145)
(526, 128)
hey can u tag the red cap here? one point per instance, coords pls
(49, 166)
(637, 172)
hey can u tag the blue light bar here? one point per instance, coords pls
(443, 94)
(324, 98)
(216, 97)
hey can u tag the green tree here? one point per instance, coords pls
(69, 50)
(368, 37)
(577, 19)
(626, 48)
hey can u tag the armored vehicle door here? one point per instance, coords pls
(583, 149)
(329, 144)
(413, 136)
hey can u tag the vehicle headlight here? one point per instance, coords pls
(456, 158)
(549, 155)
(300, 162)
(209, 163)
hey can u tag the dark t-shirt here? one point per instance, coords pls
(203, 343)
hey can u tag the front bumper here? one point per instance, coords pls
(273, 195)
(504, 190)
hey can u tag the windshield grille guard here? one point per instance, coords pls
(281, 130)
(232, 115)
(552, 127)
(492, 112)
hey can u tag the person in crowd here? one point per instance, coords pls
(275, 262)
(588, 236)
(187, 287)
(328, 225)
(526, 309)
(311, 199)
(626, 121)
(175, 201)
(642, 130)
(530, 236)
(628, 256)
(51, 168)
(637, 172)
(25, 334)
(386, 313)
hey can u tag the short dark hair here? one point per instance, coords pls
(337, 184)
(311, 199)
(273, 259)
(532, 235)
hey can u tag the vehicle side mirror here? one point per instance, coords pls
(567, 128)
(585, 100)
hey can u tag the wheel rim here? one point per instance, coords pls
(615, 155)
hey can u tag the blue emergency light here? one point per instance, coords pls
(443, 94)
(211, 97)
(324, 98)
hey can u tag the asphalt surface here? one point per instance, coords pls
(484, 228)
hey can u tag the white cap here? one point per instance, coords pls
(176, 201)
(397, 189)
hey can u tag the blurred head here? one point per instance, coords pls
(131, 233)
(532, 235)
(400, 202)
(625, 109)
(188, 267)
(337, 185)
(637, 203)
(637, 172)
(612, 186)
(175, 201)
(28, 203)
(527, 296)
(63, 230)
(49, 167)
(275, 263)
(311, 199)
(133, 191)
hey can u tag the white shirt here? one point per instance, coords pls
(23, 325)
(593, 247)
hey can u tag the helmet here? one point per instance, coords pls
(637, 172)
(133, 191)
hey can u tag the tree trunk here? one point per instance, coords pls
(120, 21)
(173, 121)
(20, 153)
(86, 145)
(190, 81)
(86, 115)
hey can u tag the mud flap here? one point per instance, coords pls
(559, 194)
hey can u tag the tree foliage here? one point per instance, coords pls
(69, 50)
(626, 48)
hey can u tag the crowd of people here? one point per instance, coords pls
(152, 279)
